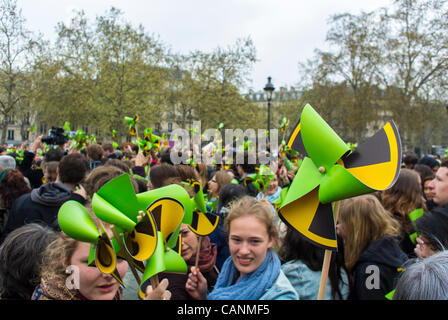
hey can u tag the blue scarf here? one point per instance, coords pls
(250, 286)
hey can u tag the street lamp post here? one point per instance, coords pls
(269, 88)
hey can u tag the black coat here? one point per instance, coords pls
(34, 175)
(41, 205)
(382, 258)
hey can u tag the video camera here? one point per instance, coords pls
(56, 136)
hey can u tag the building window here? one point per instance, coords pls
(170, 127)
(10, 134)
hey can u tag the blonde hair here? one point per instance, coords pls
(249, 206)
(222, 178)
(50, 170)
(364, 221)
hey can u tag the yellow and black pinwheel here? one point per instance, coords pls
(330, 171)
(75, 221)
(168, 214)
(116, 203)
(203, 223)
(261, 179)
(132, 122)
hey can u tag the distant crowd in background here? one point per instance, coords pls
(400, 234)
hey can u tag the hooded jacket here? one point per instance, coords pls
(41, 205)
(375, 272)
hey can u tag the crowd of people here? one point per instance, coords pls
(391, 244)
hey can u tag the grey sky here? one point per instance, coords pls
(284, 31)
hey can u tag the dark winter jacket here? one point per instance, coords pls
(34, 175)
(377, 268)
(41, 205)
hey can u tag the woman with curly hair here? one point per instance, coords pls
(401, 199)
(55, 284)
(12, 186)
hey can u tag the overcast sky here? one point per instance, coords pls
(284, 31)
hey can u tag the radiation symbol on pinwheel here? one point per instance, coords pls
(168, 214)
(116, 203)
(156, 236)
(330, 171)
(75, 221)
(151, 141)
(132, 122)
(203, 223)
(261, 179)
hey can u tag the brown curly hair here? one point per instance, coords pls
(55, 260)
(13, 186)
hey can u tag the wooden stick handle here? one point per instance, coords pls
(324, 275)
(154, 281)
(327, 260)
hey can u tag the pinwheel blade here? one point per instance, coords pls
(322, 144)
(75, 221)
(308, 178)
(376, 162)
(295, 141)
(340, 184)
(204, 224)
(161, 261)
(119, 193)
(105, 258)
(198, 199)
(109, 213)
(141, 242)
(168, 214)
(172, 191)
(314, 220)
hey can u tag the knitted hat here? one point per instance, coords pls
(7, 162)
(434, 226)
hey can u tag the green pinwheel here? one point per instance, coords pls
(16, 154)
(202, 223)
(32, 129)
(75, 221)
(168, 213)
(150, 140)
(116, 203)
(157, 233)
(132, 122)
(80, 140)
(261, 179)
(284, 124)
(66, 127)
(330, 172)
(248, 145)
